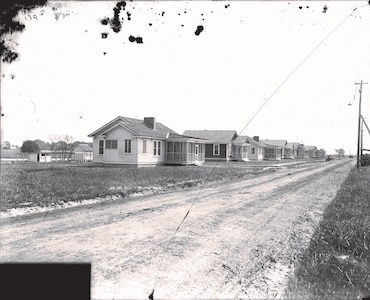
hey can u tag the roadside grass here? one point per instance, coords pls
(336, 264)
(35, 184)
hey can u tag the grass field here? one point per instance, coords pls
(336, 265)
(34, 184)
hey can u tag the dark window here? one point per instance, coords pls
(101, 147)
(111, 144)
(157, 148)
(144, 146)
(216, 149)
(127, 146)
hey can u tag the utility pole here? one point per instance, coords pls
(359, 126)
(362, 137)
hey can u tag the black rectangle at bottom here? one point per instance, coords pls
(45, 281)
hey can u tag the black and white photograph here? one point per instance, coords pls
(185, 149)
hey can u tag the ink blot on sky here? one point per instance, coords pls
(115, 23)
(200, 28)
(138, 40)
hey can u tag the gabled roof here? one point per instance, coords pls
(310, 147)
(240, 140)
(276, 143)
(244, 139)
(213, 136)
(178, 137)
(253, 142)
(292, 145)
(83, 147)
(136, 126)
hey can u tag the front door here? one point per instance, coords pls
(196, 151)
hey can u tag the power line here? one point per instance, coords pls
(151, 295)
(298, 66)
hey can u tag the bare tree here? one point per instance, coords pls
(67, 145)
(54, 139)
(62, 142)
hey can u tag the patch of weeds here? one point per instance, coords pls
(44, 184)
(337, 262)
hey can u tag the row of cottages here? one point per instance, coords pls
(225, 145)
(135, 142)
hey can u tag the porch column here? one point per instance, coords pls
(187, 153)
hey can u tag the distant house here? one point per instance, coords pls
(82, 153)
(134, 142)
(320, 153)
(245, 148)
(256, 149)
(239, 149)
(42, 156)
(219, 143)
(274, 149)
(311, 151)
(291, 150)
(6, 145)
(302, 152)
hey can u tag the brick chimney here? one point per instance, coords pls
(150, 122)
(256, 138)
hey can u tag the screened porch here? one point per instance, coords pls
(239, 152)
(273, 153)
(185, 152)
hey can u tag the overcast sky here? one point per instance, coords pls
(75, 74)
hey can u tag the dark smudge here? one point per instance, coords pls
(200, 28)
(138, 40)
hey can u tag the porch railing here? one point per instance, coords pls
(176, 157)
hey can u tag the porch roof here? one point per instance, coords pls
(292, 145)
(240, 140)
(274, 143)
(175, 137)
(310, 147)
(255, 143)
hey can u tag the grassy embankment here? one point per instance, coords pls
(33, 184)
(336, 265)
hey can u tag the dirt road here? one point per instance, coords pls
(240, 239)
